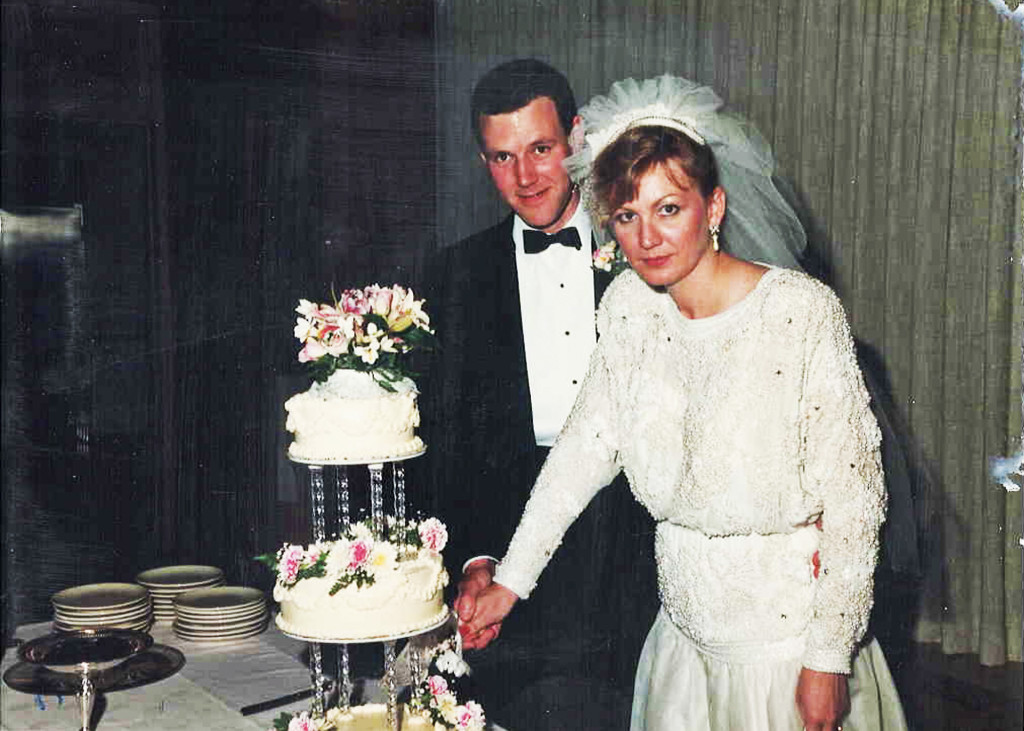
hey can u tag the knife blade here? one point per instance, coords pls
(276, 702)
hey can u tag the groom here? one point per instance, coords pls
(514, 309)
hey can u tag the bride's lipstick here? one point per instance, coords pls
(657, 261)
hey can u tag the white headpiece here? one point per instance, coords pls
(759, 224)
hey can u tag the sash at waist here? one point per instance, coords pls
(753, 651)
(735, 595)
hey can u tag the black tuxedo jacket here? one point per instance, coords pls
(477, 419)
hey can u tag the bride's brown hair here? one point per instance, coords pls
(620, 166)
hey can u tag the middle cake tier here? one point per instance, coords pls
(363, 586)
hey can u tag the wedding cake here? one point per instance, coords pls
(362, 405)
(360, 586)
(382, 578)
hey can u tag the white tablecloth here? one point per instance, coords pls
(208, 692)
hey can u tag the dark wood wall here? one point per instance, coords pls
(226, 164)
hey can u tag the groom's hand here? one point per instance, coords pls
(476, 577)
(492, 605)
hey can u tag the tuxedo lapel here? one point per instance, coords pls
(509, 319)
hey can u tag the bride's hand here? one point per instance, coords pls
(822, 699)
(492, 606)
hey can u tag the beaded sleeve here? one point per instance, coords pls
(841, 470)
(581, 462)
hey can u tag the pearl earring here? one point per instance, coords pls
(714, 237)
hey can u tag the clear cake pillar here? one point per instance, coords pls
(338, 478)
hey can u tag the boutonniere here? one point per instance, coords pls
(609, 258)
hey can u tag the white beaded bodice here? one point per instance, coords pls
(737, 432)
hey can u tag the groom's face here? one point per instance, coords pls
(523, 151)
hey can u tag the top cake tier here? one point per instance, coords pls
(352, 419)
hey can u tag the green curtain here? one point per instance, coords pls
(894, 122)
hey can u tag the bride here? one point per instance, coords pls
(728, 392)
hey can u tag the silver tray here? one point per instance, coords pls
(96, 648)
(148, 666)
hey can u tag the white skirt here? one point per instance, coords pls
(680, 688)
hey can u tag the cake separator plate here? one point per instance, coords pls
(329, 462)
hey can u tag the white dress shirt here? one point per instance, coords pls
(556, 298)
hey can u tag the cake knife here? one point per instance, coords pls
(276, 702)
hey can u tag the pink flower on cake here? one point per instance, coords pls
(380, 300)
(358, 553)
(290, 562)
(302, 722)
(469, 716)
(312, 350)
(434, 534)
(337, 344)
(355, 301)
(437, 685)
(313, 554)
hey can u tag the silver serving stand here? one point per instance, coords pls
(90, 662)
(336, 483)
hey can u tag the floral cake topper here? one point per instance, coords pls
(369, 329)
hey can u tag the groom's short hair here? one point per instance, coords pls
(514, 84)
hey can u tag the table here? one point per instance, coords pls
(217, 680)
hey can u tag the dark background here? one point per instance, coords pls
(227, 161)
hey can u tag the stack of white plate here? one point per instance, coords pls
(102, 606)
(167, 582)
(224, 613)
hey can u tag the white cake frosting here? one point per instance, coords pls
(407, 598)
(352, 418)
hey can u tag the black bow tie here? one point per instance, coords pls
(535, 242)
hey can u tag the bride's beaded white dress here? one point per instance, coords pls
(748, 436)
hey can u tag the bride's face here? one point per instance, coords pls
(665, 230)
